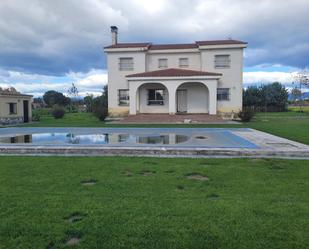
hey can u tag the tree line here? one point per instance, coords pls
(58, 101)
(270, 98)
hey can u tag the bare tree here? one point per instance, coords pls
(302, 80)
(73, 93)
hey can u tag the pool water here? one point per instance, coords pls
(107, 138)
(196, 138)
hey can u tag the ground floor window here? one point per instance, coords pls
(155, 97)
(223, 94)
(123, 97)
(12, 108)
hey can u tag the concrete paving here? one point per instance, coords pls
(237, 142)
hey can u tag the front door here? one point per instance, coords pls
(182, 100)
(26, 111)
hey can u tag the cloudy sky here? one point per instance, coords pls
(50, 44)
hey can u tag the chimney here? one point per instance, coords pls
(114, 31)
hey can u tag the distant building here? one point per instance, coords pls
(15, 107)
(199, 77)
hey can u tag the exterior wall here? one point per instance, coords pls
(197, 97)
(117, 80)
(6, 117)
(199, 59)
(173, 60)
(231, 77)
(203, 88)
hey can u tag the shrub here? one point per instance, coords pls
(58, 111)
(36, 116)
(101, 112)
(100, 106)
(246, 114)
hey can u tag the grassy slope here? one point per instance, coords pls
(260, 203)
(292, 125)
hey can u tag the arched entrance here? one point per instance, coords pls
(152, 98)
(192, 97)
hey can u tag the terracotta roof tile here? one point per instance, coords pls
(173, 72)
(151, 46)
(219, 42)
(172, 46)
(130, 45)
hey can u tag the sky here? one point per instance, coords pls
(47, 45)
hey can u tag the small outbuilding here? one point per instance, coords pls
(15, 107)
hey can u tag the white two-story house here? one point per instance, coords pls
(200, 77)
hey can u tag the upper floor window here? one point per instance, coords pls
(183, 62)
(162, 63)
(223, 94)
(12, 108)
(126, 64)
(123, 97)
(222, 61)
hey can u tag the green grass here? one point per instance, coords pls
(292, 125)
(246, 203)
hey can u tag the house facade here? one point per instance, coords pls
(201, 77)
(15, 107)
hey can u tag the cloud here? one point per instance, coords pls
(50, 44)
(91, 82)
(267, 77)
(56, 37)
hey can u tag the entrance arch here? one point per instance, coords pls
(152, 97)
(192, 97)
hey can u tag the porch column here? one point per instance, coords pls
(132, 96)
(172, 99)
(212, 98)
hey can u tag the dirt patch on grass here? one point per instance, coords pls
(51, 245)
(73, 238)
(180, 188)
(127, 173)
(75, 217)
(88, 182)
(73, 241)
(147, 172)
(213, 196)
(197, 176)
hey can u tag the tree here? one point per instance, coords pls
(100, 105)
(52, 98)
(88, 100)
(302, 79)
(272, 97)
(296, 94)
(73, 93)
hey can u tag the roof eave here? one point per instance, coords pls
(199, 77)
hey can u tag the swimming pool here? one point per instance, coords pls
(121, 137)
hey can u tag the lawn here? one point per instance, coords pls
(292, 125)
(151, 203)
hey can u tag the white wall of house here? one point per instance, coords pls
(197, 97)
(202, 58)
(173, 59)
(231, 78)
(117, 78)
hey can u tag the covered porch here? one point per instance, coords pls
(173, 91)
